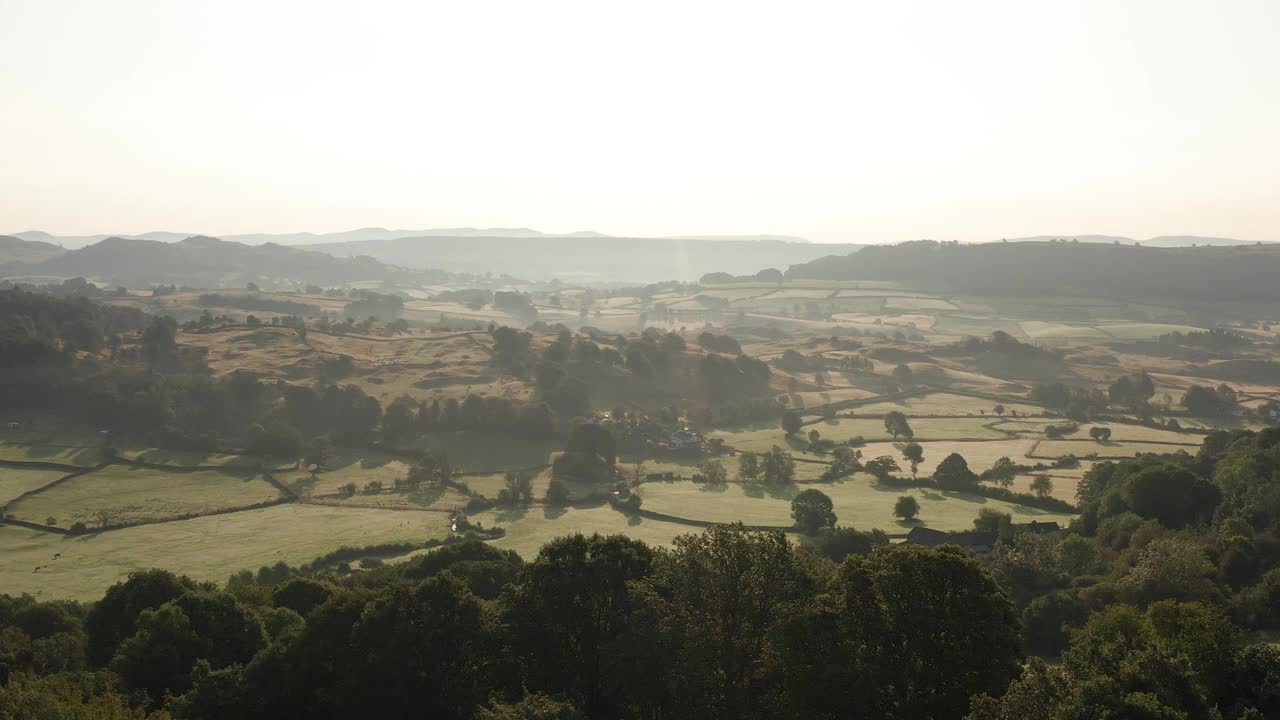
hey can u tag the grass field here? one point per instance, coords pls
(121, 494)
(872, 429)
(918, 303)
(208, 548)
(348, 466)
(859, 502)
(980, 455)
(931, 428)
(944, 404)
(183, 458)
(1113, 449)
(528, 529)
(15, 481)
(62, 455)
(434, 499)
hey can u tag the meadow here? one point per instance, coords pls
(122, 494)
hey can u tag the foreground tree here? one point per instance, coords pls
(568, 617)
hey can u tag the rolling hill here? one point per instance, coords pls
(210, 263)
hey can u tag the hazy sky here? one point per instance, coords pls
(865, 121)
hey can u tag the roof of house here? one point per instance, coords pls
(973, 539)
(1040, 527)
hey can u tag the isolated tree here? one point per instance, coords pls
(714, 472)
(777, 467)
(520, 485)
(907, 507)
(814, 437)
(1101, 434)
(845, 461)
(748, 467)
(791, 422)
(895, 423)
(999, 409)
(902, 374)
(317, 454)
(557, 494)
(882, 468)
(812, 511)
(953, 472)
(1042, 486)
(913, 453)
(1003, 472)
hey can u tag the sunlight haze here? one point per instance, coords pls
(861, 122)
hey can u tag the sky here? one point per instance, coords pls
(837, 121)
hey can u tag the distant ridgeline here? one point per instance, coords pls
(1241, 273)
(199, 262)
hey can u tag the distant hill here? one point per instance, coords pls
(774, 238)
(1194, 241)
(587, 259)
(13, 249)
(1241, 273)
(1110, 239)
(211, 263)
(1161, 241)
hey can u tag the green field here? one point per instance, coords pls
(930, 428)
(348, 466)
(529, 529)
(945, 404)
(435, 499)
(120, 494)
(60, 454)
(1113, 449)
(15, 481)
(184, 458)
(859, 502)
(980, 455)
(207, 548)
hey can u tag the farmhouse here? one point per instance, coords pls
(686, 441)
(979, 541)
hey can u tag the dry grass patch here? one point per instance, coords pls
(15, 481)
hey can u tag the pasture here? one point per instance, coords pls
(121, 494)
(208, 548)
(76, 456)
(859, 502)
(15, 481)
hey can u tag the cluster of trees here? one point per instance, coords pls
(406, 418)
(1210, 402)
(1214, 339)
(1077, 403)
(1002, 355)
(726, 624)
(258, 303)
(367, 303)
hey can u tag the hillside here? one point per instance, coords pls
(587, 258)
(210, 263)
(13, 249)
(1243, 273)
